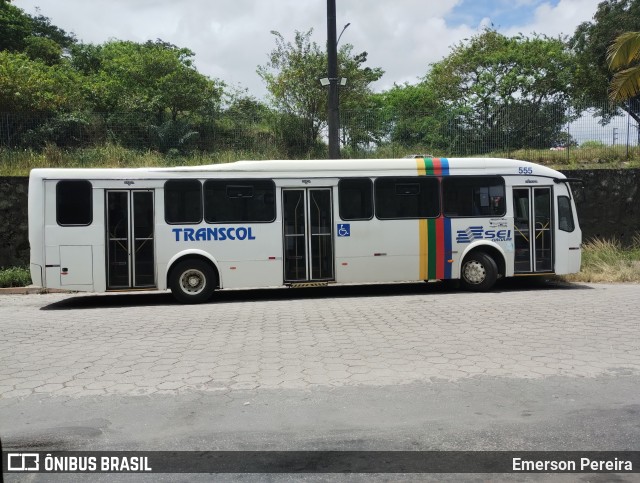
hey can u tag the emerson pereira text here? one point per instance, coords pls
(570, 465)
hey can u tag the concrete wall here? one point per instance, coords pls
(608, 206)
(608, 202)
(14, 241)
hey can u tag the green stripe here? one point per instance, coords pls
(428, 166)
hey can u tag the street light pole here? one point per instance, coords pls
(332, 55)
(340, 36)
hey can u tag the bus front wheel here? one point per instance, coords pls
(479, 272)
(192, 281)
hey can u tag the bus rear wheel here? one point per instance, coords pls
(479, 272)
(192, 281)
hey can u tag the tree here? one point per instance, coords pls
(504, 92)
(42, 27)
(44, 49)
(357, 103)
(414, 116)
(15, 26)
(33, 86)
(591, 41)
(18, 30)
(244, 123)
(148, 94)
(624, 59)
(293, 75)
(154, 78)
(31, 94)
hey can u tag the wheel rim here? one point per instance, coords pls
(192, 281)
(474, 272)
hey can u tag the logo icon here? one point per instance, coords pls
(23, 461)
(344, 229)
(470, 234)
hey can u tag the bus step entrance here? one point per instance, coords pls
(307, 284)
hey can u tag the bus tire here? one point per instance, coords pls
(479, 272)
(192, 281)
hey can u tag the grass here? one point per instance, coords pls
(14, 277)
(588, 157)
(19, 162)
(15, 162)
(609, 261)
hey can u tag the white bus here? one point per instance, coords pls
(299, 223)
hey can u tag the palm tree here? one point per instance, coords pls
(623, 57)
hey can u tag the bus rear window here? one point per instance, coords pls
(74, 205)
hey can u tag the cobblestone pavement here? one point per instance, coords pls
(137, 344)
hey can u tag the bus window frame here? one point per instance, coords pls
(164, 204)
(58, 186)
(408, 180)
(371, 192)
(455, 177)
(571, 217)
(239, 182)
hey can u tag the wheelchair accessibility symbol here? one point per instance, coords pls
(344, 229)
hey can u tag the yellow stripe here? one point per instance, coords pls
(424, 249)
(423, 232)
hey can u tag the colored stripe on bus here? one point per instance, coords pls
(433, 248)
(434, 234)
(448, 253)
(435, 166)
(423, 249)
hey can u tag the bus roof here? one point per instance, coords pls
(300, 168)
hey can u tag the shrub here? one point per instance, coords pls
(592, 145)
(14, 277)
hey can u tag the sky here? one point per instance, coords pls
(231, 38)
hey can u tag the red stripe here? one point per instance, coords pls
(440, 248)
(437, 167)
(437, 171)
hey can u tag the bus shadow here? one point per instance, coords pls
(519, 284)
(159, 299)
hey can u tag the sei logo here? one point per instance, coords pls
(479, 233)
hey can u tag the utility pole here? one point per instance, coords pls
(332, 55)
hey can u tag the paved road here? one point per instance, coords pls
(407, 366)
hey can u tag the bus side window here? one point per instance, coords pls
(239, 201)
(74, 205)
(473, 196)
(407, 198)
(565, 214)
(355, 198)
(183, 201)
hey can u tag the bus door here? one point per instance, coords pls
(533, 230)
(130, 239)
(308, 235)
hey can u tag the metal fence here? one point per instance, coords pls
(551, 133)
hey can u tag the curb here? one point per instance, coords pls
(30, 290)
